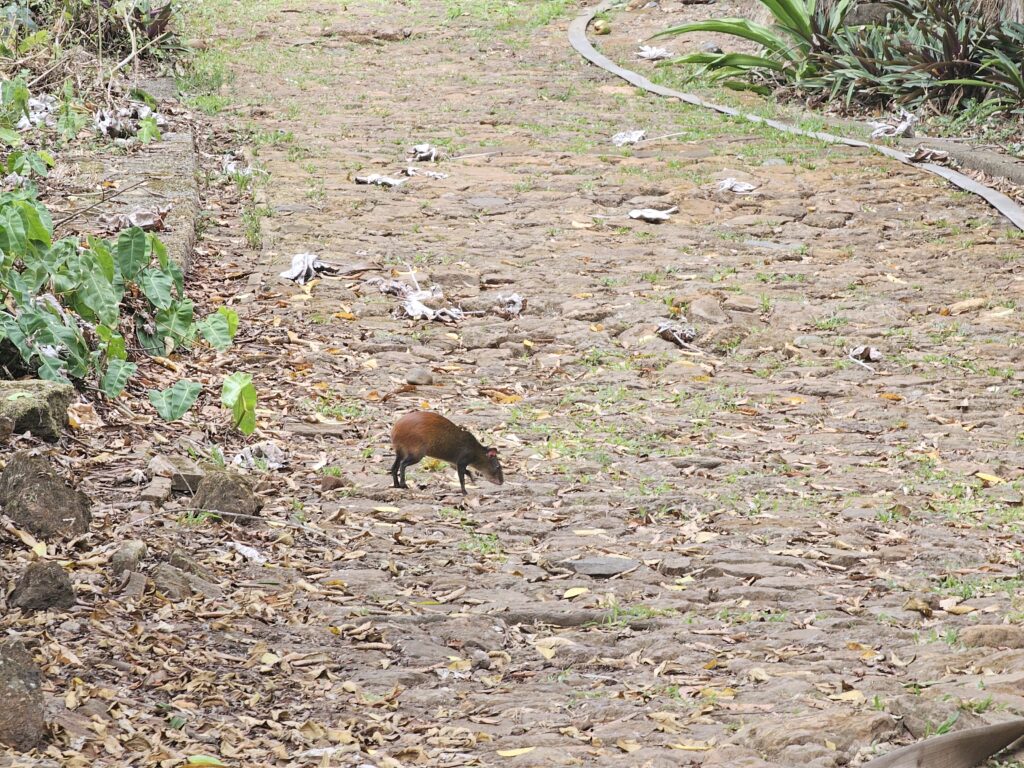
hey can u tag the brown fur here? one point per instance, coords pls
(422, 433)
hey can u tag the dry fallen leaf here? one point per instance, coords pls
(569, 594)
(515, 752)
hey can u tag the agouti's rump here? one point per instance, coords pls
(421, 433)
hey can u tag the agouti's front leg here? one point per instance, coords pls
(463, 473)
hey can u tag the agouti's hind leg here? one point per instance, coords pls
(463, 472)
(394, 471)
(407, 461)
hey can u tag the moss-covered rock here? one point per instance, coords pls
(36, 406)
(227, 493)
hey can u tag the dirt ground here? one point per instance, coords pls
(754, 551)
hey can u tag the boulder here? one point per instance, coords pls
(38, 500)
(36, 406)
(227, 493)
(21, 717)
(43, 586)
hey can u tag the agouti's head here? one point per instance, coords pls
(490, 467)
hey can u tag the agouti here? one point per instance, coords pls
(420, 434)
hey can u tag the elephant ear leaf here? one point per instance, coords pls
(173, 403)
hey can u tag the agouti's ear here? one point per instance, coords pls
(492, 452)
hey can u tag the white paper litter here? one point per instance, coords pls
(651, 53)
(305, 267)
(410, 171)
(651, 215)
(628, 137)
(734, 185)
(380, 180)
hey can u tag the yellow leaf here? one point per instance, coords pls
(39, 549)
(830, 745)
(891, 396)
(705, 536)
(627, 745)
(691, 745)
(961, 610)
(460, 665)
(588, 531)
(854, 696)
(569, 594)
(516, 752)
(547, 646)
(989, 479)
(597, 327)
(386, 509)
(344, 316)
(795, 400)
(269, 659)
(504, 398)
(527, 343)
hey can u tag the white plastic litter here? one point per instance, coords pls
(901, 126)
(305, 267)
(737, 186)
(249, 553)
(40, 112)
(651, 215)
(380, 180)
(261, 455)
(651, 53)
(425, 153)
(410, 171)
(628, 137)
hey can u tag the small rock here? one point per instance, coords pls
(39, 407)
(183, 561)
(675, 565)
(967, 305)
(419, 376)
(43, 586)
(39, 501)
(993, 636)
(333, 482)
(706, 308)
(742, 304)
(229, 494)
(184, 473)
(808, 341)
(724, 339)
(1005, 493)
(128, 556)
(826, 219)
(172, 582)
(600, 567)
(22, 725)
(158, 490)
